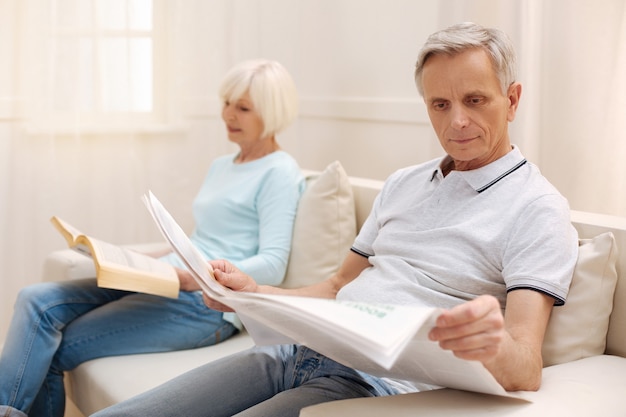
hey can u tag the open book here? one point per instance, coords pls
(122, 268)
(382, 340)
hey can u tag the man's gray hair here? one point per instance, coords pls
(464, 36)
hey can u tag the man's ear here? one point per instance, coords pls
(513, 93)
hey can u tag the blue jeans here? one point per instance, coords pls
(262, 381)
(57, 326)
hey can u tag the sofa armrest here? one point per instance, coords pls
(68, 264)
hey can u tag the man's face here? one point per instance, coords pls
(467, 108)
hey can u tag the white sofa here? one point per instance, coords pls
(585, 347)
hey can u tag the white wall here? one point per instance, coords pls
(353, 66)
(353, 63)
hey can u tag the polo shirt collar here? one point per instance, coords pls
(482, 178)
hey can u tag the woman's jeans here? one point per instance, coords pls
(262, 381)
(57, 326)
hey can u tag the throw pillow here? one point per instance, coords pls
(324, 229)
(578, 329)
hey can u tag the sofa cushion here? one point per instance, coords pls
(588, 387)
(324, 229)
(578, 329)
(102, 382)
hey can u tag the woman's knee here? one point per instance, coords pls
(34, 296)
(44, 295)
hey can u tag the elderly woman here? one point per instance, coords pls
(244, 212)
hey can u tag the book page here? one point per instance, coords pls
(70, 234)
(122, 268)
(116, 256)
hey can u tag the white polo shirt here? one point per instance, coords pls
(439, 241)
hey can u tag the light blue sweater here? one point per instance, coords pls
(245, 213)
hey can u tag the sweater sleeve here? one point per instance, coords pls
(277, 201)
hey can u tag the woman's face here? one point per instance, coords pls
(243, 123)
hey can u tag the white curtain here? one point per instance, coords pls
(580, 102)
(70, 149)
(615, 135)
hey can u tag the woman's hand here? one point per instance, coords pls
(187, 283)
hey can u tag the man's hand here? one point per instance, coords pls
(230, 277)
(473, 330)
(510, 346)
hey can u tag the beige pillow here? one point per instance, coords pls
(324, 230)
(578, 329)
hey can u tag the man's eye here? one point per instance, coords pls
(475, 100)
(439, 105)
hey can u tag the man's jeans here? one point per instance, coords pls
(57, 326)
(262, 381)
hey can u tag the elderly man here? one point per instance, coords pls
(479, 232)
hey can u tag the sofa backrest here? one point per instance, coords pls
(588, 226)
(364, 191)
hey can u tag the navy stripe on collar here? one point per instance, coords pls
(495, 180)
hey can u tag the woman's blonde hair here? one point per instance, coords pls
(271, 89)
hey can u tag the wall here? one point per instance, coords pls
(353, 67)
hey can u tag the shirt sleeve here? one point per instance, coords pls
(542, 249)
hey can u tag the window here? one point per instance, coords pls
(102, 63)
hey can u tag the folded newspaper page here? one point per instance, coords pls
(382, 340)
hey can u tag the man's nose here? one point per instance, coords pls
(459, 117)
